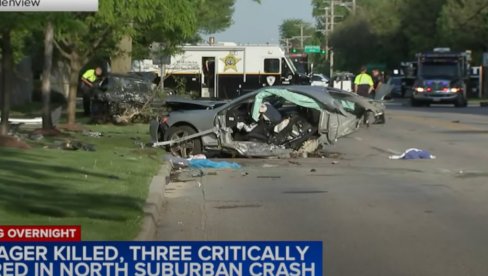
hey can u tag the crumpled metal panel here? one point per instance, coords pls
(347, 125)
(255, 149)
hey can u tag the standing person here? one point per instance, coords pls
(378, 80)
(88, 81)
(363, 83)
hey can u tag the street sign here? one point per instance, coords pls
(312, 49)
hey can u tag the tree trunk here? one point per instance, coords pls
(75, 67)
(7, 67)
(46, 76)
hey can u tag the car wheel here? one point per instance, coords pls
(185, 148)
(461, 102)
(369, 118)
(382, 119)
(414, 103)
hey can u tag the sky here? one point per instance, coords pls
(259, 23)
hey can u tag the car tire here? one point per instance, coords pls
(381, 120)
(461, 102)
(414, 103)
(369, 118)
(186, 148)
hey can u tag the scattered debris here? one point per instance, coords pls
(335, 162)
(93, 134)
(223, 207)
(71, 145)
(244, 173)
(413, 153)
(33, 121)
(36, 137)
(79, 145)
(176, 162)
(13, 142)
(313, 170)
(197, 157)
(199, 162)
(294, 162)
(456, 122)
(269, 176)
(205, 163)
(305, 192)
(197, 173)
(471, 174)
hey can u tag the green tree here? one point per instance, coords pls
(13, 28)
(82, 37)
(185, 22)
(46, 75)
(291, 31)
(419, 24)
(463, 24)
(7, 65)
(214, 15)
(382, 31)
(176, 24)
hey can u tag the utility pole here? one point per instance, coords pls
(301, 36)
(287, 44)
(332, 23)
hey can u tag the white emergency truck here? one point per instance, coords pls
(228, 70)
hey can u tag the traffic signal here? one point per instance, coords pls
(294, 50)
(323, 51)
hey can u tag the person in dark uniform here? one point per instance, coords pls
(363, 83)
(88, 81)
(378, 80)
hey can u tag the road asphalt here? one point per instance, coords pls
(376, 216)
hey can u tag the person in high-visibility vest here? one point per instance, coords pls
(363, 83)
(88, 80)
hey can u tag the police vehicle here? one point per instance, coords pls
(442, 77)
(228, 70)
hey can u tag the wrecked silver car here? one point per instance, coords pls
(272, 121)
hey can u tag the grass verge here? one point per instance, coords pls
(103, 191)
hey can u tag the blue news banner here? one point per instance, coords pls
(161, 258)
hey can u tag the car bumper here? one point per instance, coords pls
(436, 97)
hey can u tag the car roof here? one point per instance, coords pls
(318, 93)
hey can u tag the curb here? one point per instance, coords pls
(154, 204)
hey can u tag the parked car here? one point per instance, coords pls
(319, 80)
(272, 121)
(397, 85)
